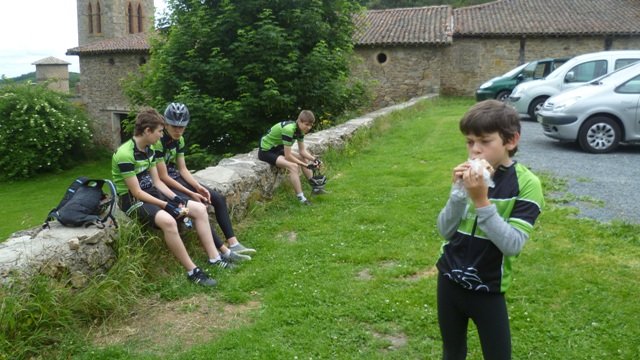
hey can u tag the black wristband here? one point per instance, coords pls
(173, 210)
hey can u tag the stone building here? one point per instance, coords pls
(113, 42)
(54, 71)
(406, 52)
(413, 51)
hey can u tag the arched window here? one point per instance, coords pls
(90, 18)
(140, 25)
(130, 14)
(98, 18)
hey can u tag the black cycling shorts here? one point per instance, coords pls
(272, 155)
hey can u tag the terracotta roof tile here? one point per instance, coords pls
(436, 24)
(128, 44)
(549, 17)
(407, 26)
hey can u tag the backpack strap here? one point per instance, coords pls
(112, 202)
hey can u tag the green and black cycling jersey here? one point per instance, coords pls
(168, 150)
(283, 133)
(129, 161)
(469, 256)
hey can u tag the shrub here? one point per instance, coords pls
(40, 130)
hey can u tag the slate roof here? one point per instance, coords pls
(549, 18)
(407, 26)
(134, 43)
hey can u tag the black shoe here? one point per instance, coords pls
(201, 278)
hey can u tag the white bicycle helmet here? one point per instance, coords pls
(176, 114)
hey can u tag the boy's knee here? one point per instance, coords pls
(196, 208)
(165, 221)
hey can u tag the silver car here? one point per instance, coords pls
(598, 115)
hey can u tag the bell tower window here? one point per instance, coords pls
(140, 26)
(98, 18)
(90, 18)
(130, 14)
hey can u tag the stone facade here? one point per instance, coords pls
(107, 19)
(106, 58)
(101, 90)
(242, 179)
(458, 69)
(53, 71)
(400, 73)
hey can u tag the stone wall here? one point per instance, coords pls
(113, 20)
(87, 252)
(56, 75)
(104, 97)
(399, 73)
(460, 68)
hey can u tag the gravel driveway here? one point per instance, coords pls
(613, 178)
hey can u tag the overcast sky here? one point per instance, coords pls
(31, 30)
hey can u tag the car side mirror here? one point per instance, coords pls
(520, 77)
(570, 77)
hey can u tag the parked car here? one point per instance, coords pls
(527, 98)
(598, 115)
(500, 87)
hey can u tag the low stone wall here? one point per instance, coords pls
(87, 252)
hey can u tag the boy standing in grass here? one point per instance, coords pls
(275, 148)
(173, 171)
(485, 229)
(143, 195)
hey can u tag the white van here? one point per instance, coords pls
(527, 98)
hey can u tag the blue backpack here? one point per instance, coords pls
(85, 204)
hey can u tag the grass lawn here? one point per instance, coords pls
(32, 199)
(351, 277)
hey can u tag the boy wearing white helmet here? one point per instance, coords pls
(173, 171)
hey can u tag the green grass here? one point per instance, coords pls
(29, 201)
(352, 276)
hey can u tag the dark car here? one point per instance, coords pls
(500, 87)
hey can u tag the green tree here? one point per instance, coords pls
(40, 130)
(240, 66)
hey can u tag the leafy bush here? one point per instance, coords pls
(40, 130)
(198, 159)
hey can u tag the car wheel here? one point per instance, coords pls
(535, 106)
(503, 95)
(599, 135)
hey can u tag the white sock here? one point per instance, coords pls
(215, 260)
(301, 197)
(226, 252)
(190, 272)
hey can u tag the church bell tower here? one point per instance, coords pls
(108, 19)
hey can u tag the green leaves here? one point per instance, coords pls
(241, 66)
(40, 130)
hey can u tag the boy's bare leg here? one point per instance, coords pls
(294, 175)
(198, 212)
(169, 228)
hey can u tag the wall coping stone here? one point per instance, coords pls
(86, 252)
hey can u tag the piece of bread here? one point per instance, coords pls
(485, 164)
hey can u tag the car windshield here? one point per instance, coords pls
(515, 71)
